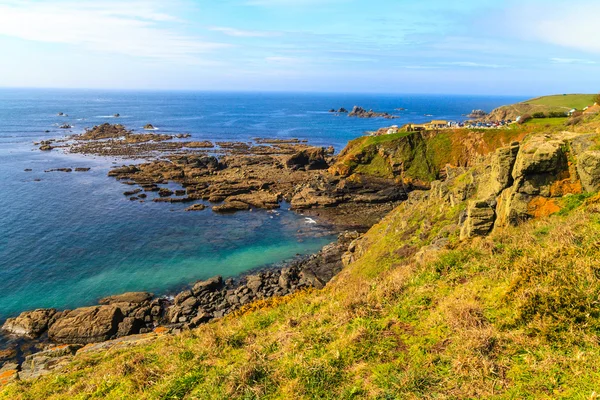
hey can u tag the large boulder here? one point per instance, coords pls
(311, 158)
(30, 324)
(588, 168)
(480, 220)
(86, 325)
(501, 167)
(208, 285)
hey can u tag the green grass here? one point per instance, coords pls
(547, 122)
(569, 101)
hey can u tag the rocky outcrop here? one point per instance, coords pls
(360, 112)
(477, 114)
(479, 221)
(313, 158)
(527, 180)
(30, 324)
(45, 362)
(86, 325)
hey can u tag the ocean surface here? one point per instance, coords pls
(68, 239)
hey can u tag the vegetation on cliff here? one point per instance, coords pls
(418, 312)
(546, 105)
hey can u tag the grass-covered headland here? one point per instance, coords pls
(485, 286)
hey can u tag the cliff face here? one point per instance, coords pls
(416, 159)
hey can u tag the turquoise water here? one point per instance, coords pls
(71, 238)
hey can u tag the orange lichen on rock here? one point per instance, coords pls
(566, 183)
(160, 330)
(7, 376)
(542, 207)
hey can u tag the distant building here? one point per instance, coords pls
(437, 124)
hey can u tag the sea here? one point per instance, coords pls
(69, 239)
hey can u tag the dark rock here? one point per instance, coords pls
(132, 192)
(196, 207)
(208, 285)
(312, 158)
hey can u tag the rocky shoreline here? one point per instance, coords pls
(60, 334)
(226, 177)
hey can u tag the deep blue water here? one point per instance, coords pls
(69, 239)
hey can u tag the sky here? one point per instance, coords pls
(503, 47)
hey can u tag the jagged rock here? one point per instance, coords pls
(200, 319)
(86, 325)
(208, 285)
(480, 220)
(310, 159)
(254, 282)
(129, 326)
(30, 324)
(149, 127)
(362, 113)
(502, 164)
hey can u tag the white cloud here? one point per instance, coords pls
(470, 64)
(571, 24)
(291, 3)
(557, 60)
(137, 28)
(242, 33)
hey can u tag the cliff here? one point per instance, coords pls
(484, 286)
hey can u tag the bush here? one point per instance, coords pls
(574, 121)
(525, 118)
(539, 115)
(557, 114)
(597, 98)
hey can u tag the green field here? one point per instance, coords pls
(569, 101)
(547, 122)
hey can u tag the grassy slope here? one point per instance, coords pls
(568, 101)
(545, 104)
(514, 315)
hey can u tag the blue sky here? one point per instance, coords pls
(524, 47)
